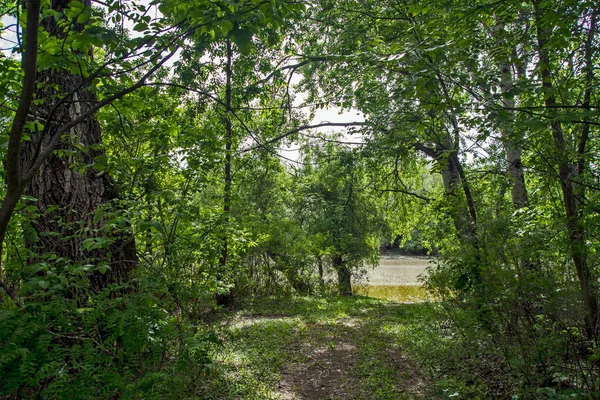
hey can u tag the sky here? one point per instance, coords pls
(289, 153)
(7, 37)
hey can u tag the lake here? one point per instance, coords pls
(396, 278)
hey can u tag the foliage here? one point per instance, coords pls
(269, 342)
(494, 95)
(60, 347)
(479, 142)
(341, 214)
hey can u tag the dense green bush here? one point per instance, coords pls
(111, 344)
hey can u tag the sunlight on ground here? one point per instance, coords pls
(398, 294)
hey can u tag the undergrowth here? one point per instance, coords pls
(129, 347)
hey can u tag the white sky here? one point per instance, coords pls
(8, 38)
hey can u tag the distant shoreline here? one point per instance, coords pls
(408, 253)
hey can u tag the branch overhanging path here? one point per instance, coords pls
(302, 128)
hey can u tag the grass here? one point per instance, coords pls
(293, 348)
(337, 348)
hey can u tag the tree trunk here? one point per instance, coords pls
(464, 216)
(70, 194)
(321, 274)
(512, 144)
(511, 141)
(344, 276)
(226, 299)
(567, 171)
(453, 176)
(463, 211)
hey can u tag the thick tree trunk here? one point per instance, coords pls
(69, 192)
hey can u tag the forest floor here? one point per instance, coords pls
(319, 348)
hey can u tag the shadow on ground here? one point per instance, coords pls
(311, 348)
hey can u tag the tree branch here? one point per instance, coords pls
(302, 128)
(426, 199)
(57, 136)
(12, 167)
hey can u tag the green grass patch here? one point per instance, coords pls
(271, 339)
(343, 348)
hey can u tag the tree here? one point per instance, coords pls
(71, 187)
(270, 207)
(58, 97)
(407, 89)
(232, 87)
(496, 96)
(343, 215)
(76, 60)
(570, 150)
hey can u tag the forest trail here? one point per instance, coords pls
(329, 368)
(318, 350)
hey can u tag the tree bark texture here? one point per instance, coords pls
(510, 140)
(68, 191)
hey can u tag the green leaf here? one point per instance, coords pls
(74, 9)
(140, 27)
(100, 162)
(31, 209)
(103, 268)
(243, 40)
(226, 27)
(82, 18)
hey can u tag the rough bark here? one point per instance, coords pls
(69, 193)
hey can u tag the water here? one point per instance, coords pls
(399, 294)
(396, 278)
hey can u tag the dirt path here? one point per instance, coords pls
(324, 374)
(339, 367)
(347, 357)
